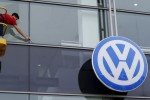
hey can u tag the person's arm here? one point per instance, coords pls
(21, 33)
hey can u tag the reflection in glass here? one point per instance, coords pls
(14, 69)
(43, 97)
(137, 5)
(59, 25)
(134, 27)
(56, 70)
(9, 96)
(80, 2)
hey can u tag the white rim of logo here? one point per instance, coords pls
(113, 82)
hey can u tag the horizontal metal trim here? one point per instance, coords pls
(133, 11)
(68, 94)
(144, 49)
(50, 46)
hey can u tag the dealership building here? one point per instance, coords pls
(79, 50)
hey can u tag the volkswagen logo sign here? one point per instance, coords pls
(119, 64)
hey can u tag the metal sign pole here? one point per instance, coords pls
(113, 17)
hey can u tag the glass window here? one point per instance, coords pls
(14, 69)
(7, 96)
(58, 97)
(135, 27)
(53, 69)
(81, 2)
(22, 9)
(82, 97)
(137, 5)
(61, 25)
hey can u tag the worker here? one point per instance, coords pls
(11, 20)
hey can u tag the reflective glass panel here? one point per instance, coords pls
(42, 97)
(62, 25)
(134, 27)
(55, 69)
(81, 2)
(137, 5)
(9, 96)
(81, 97)
(14, 69)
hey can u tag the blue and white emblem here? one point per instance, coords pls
(119, 64)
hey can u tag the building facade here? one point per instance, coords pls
(56, 63)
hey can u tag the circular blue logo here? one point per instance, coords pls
(119, 64)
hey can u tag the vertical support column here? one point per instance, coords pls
(101, 17)
(113, 18)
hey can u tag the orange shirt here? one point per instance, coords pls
(8, 19)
